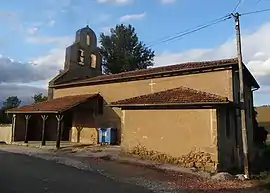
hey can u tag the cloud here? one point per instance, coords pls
(167, 1)
(51, 23)
(53, 60)
(7, 14)
(131, 17)
(32, 31)
(24, 92)
(18, 72)
(118, 2)
(106, 30)
(41, 68)
(256, 55)
(256, 52)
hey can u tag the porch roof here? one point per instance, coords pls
(57, 105)
(181, 96)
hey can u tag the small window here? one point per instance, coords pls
(88, 40)
(228, 123)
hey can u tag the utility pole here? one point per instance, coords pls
(242, 97)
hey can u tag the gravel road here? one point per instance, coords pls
(24, 174)
(25, 170)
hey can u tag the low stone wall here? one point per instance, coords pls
(5, 133)
(194, 159)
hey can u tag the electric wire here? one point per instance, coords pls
(237, 5)
(193, 30)
(202, 26)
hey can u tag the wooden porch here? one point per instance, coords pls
(51, 121)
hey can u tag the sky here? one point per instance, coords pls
(35, 33)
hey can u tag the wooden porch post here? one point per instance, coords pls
(27, 117)
(58, 140)
(44, 118)
(13, 127)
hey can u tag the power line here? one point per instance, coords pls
(187, 32)
(258, 1)
(253, 12)
(237, 5)
(200, 27)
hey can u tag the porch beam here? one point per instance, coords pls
(27, 117)
(59, 120)
(32, 112)
(44, 118)
(13, 128)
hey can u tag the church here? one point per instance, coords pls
(173, 110)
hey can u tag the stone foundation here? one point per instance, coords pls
(194, 159)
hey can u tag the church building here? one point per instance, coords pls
(173, 110)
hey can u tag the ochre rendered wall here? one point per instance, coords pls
(84, 128)
(174, 132)
(218, 82)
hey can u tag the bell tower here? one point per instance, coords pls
(82, 60)
(84, 54)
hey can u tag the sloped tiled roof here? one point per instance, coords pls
(177, 96)
(156, 70)
(55, 105)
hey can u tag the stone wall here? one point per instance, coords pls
(5, 133)
(194, 159)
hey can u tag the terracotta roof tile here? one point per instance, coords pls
(54, 105)
(181, 95)
(155, 70)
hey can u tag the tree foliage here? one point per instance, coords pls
(11, 102)
(122, 51)
(39, 98)
(259, 133)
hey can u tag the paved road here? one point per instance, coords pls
(24, 174)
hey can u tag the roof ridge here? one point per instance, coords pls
(181, 88)
(184, 66)
(204, 92)
(188, 89)
(234, 59)
(57, 104)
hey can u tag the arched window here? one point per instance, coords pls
(87, 39)
(93, 61)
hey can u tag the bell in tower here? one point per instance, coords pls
(82, 60)
(83, 55)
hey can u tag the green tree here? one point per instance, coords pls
(39, 98)
(259, 133)
(11, 102)
(122, 51)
